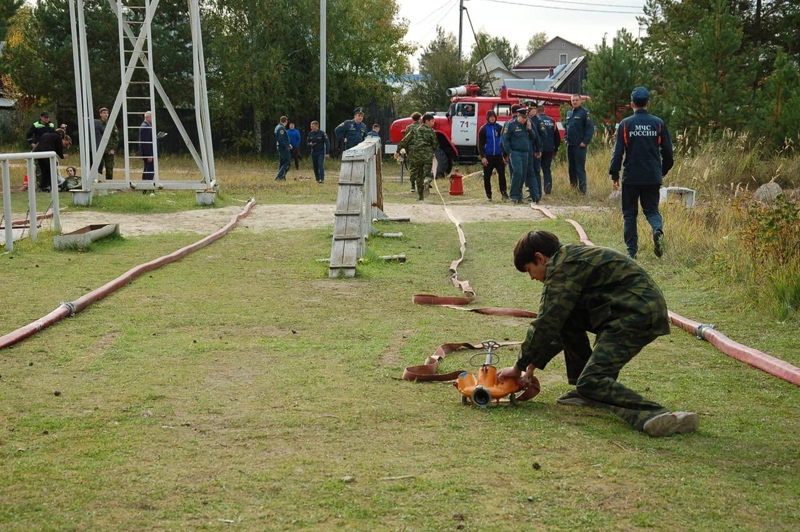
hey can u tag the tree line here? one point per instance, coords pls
(711, 66)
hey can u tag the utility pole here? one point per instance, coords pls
(323, 72)
(460, 24)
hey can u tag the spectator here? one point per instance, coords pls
(294, 144)
(320, 150)
(644, 140)
(39, 128)
(352, 132)
(284, 149)
(551, 140)
(490, 147)
(72, 182)
(376, 131)
(580, 130)
(518, 140)
(107, 159)
(146, 148)
(51, 140)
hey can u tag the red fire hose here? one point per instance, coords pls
(773, 366)
(70, 309)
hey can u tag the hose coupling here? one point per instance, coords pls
(701, 330)
(70, 307)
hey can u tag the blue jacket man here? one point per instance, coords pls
(284, 153)
(352, 132)
(490, 148)
(580, 129)
(551, 140)
(645, 142)
(518, 139)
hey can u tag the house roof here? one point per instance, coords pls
(491, 62)
(530, 61)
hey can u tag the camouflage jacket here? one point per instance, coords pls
(420, 143)
(614, 294)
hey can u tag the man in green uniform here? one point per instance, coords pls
(415, 118)
(420, 144)
(604, 292)
(107, 159)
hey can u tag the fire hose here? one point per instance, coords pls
(758, 359)
(484, 388)
(68, 309)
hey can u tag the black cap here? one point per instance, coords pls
(522, 110)
(490, 113)
(640, 96)
(45, 113)
(358, 110)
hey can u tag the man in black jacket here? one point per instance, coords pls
(49, 141)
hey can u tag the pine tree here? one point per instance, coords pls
(612, 73)
(780, 114)
(709, 82)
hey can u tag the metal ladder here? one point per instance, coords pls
(137, 81)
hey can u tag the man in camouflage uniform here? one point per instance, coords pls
(107, 160)
(420, 145)
(415, 118)
(604, 292)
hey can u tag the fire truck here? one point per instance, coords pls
(457, 129)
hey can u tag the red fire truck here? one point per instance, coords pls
(457, 129)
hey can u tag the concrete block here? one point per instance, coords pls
(82, 198)
(83, 237)
(206, 198)
(684, 195)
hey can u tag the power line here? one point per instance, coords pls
(604, 4)
(564, 8)
(426, 17)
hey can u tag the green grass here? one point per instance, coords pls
(241, 384)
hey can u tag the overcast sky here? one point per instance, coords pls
(578, 21)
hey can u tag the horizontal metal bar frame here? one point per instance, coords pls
(140, 184)
(27, 155)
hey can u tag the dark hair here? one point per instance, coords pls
(490, 113)
(415, 116)
(426, 117)
(533, 242)
(284, 119)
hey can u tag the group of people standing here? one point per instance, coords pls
(528, 143)
(288, 140)
(44, 136)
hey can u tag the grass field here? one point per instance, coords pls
(240, 388)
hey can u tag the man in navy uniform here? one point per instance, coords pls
(284, 149)
(517, 141)
(644, 140)
(551, 139)
(580, 130)
(534, 179)
(320, 150)
(352, 132)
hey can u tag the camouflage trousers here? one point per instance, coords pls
(420, 170)
(107, 163)
(594, 371)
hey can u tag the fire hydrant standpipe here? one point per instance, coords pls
(71, 308)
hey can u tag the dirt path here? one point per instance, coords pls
(268, 217)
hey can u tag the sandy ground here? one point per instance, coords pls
(269, 217)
